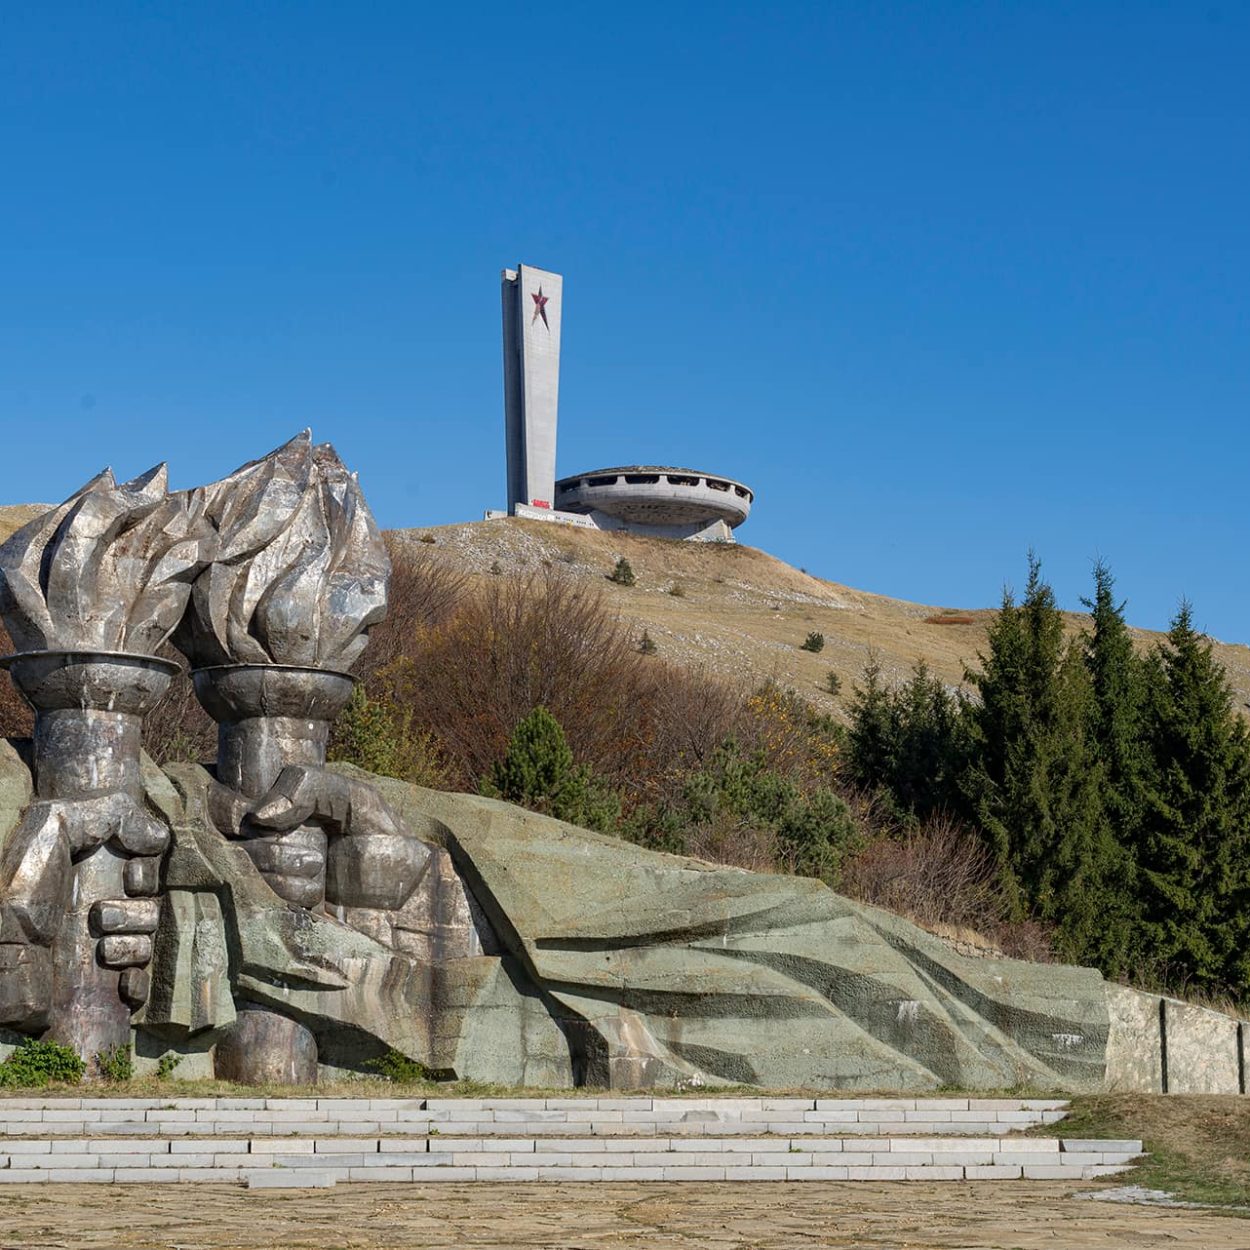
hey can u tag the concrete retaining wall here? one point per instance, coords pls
(1160, 1045)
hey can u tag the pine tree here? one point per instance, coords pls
(1036, 781)
(870, 742)
(910, 742)
(1195, 852)
(537, 771)
(1118, 724)
(930, 745)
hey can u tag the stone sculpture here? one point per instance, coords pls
(89, 592)
(270, 917)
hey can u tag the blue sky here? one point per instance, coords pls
(942, 281)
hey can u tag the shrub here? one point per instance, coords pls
(178, 730)
(166, 1065)
(939, 874)
(538, 772)
(33, 1065)
(813, 642)
(646, 644)
(16, 718)
(379, 736)
(545, 640)
(426, 538)
(496, 568)
(677, 590)
(622, 574)
(425, 593)
(794, 738)
(738, 810)
(397, 1067)
(116, 1064)
(833, 683)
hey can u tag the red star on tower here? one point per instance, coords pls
(540, 307)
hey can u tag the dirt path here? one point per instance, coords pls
(1036, 1216)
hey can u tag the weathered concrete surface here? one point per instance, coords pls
(1201, 1050)
(265, 1048)
(1135, 1042)
(662, 969)
(415, 979)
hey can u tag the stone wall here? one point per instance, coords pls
(1161, 1045)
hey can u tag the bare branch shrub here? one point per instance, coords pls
(735, 845)
(425, 593)
(686, 716)
(941, 875)
(177, 729)
(542, 640)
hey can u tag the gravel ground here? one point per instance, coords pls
(989, 1216)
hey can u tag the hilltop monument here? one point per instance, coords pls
(660, 500)
(533, 307)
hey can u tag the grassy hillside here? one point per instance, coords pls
(741, 613)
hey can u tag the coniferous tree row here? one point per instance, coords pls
(1112, 786)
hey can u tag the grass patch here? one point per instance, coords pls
(1199, 1145)
(376, 1086)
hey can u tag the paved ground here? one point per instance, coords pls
(994, 1216)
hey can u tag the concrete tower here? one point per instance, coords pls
(532, 307)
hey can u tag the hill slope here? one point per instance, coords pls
(741, 613)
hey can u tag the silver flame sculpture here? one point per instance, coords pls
(268, 582)
(89, 592)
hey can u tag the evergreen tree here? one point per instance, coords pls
(1195, 851)
(538, 772)
(1035, 785)
(870, 742)
(909, 742)
(1118, 724)
(930, 745)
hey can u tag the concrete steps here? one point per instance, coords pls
(509, 1140)
(558, 1117)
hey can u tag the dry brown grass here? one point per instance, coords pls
(1198, 1144)
(744, 612)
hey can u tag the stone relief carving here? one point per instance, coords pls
(270, 917)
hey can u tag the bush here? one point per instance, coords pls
(677, 590)
(941, 874)
(546, 640)
(397, 1067)
(813, 642)
(622, 574)
(538, 772)
(738, 810)
(178, 730)
(167, 1064)
(646, 644)
(833, 683)
(116, 1064)
(378, 735)
(794, 738)
(33, 1065)
(16, 718)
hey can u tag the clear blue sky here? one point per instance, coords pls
(942, 281)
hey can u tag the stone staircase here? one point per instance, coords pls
(316, 1142)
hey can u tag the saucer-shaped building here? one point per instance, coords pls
(658, 499)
